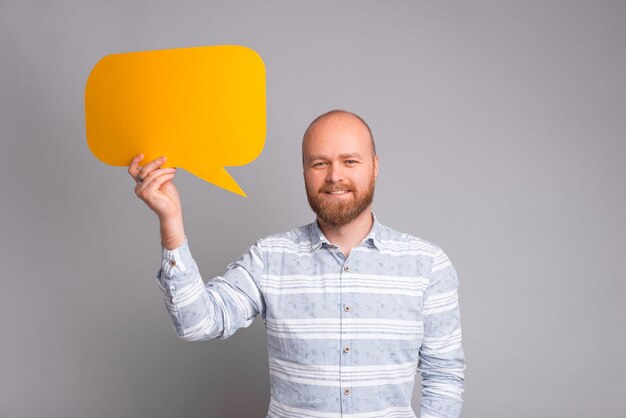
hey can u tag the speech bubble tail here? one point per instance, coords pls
(219, 177)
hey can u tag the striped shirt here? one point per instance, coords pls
(346, 335)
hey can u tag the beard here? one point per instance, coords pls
(339, 211)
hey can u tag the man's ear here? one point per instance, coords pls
(375, 165)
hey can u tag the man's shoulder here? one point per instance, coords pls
(391, 239)
(298, 235)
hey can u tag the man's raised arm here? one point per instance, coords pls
(199, 311)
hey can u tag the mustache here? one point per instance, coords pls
(336, 188)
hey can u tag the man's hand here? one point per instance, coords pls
(155, 188)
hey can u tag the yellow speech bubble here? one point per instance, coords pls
(203, 108)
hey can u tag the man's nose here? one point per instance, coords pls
(335, 173)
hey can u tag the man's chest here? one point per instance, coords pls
(328, 286)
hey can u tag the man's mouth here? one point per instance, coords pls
(337, 192)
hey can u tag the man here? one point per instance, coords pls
(352, 308)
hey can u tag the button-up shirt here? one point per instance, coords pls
(346, 335)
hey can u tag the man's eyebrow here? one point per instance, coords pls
(325, 157)
(317, 157)
(351, 155)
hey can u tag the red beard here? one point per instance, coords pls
(337, 211)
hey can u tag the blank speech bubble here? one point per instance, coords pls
(202, 107)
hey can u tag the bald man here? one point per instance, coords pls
(352, 308)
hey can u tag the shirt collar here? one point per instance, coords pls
(318, 238)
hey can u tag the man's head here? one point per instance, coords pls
(340, 166)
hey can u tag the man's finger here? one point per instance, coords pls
(148, 188)
(158, 181)
(151, 166)
(149, 179)
(133, 168)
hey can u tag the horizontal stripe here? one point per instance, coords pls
(307, 253)
(348, 336)
(347, 322)
(347, 328)
(354, 376)
(270, 279)
(409, 243)
(442, 389)
(394, 253)
(284, 411)
(335, 368)
(336, 382)
(441, 302)
(440, 262)
(442, 344)
(342, 289)
(348, 283)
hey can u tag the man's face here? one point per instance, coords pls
(339, 168)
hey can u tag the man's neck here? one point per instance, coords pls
(351, 234)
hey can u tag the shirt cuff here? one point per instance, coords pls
(175, 263)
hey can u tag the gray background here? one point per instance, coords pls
(501, 132)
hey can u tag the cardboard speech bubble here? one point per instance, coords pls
(202, 107)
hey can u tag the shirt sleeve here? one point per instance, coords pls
(215, 309)
(441, 358)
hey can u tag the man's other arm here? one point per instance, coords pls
(442, 362)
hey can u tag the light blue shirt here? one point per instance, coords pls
(346, 335)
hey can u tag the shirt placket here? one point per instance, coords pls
(345, 314)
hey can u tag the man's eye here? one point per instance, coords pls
(319, 164)
(352, 161)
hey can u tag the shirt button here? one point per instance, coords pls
(346, 349)
(173, 263)
(347, 308)
(346, 268)
(346, 391)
